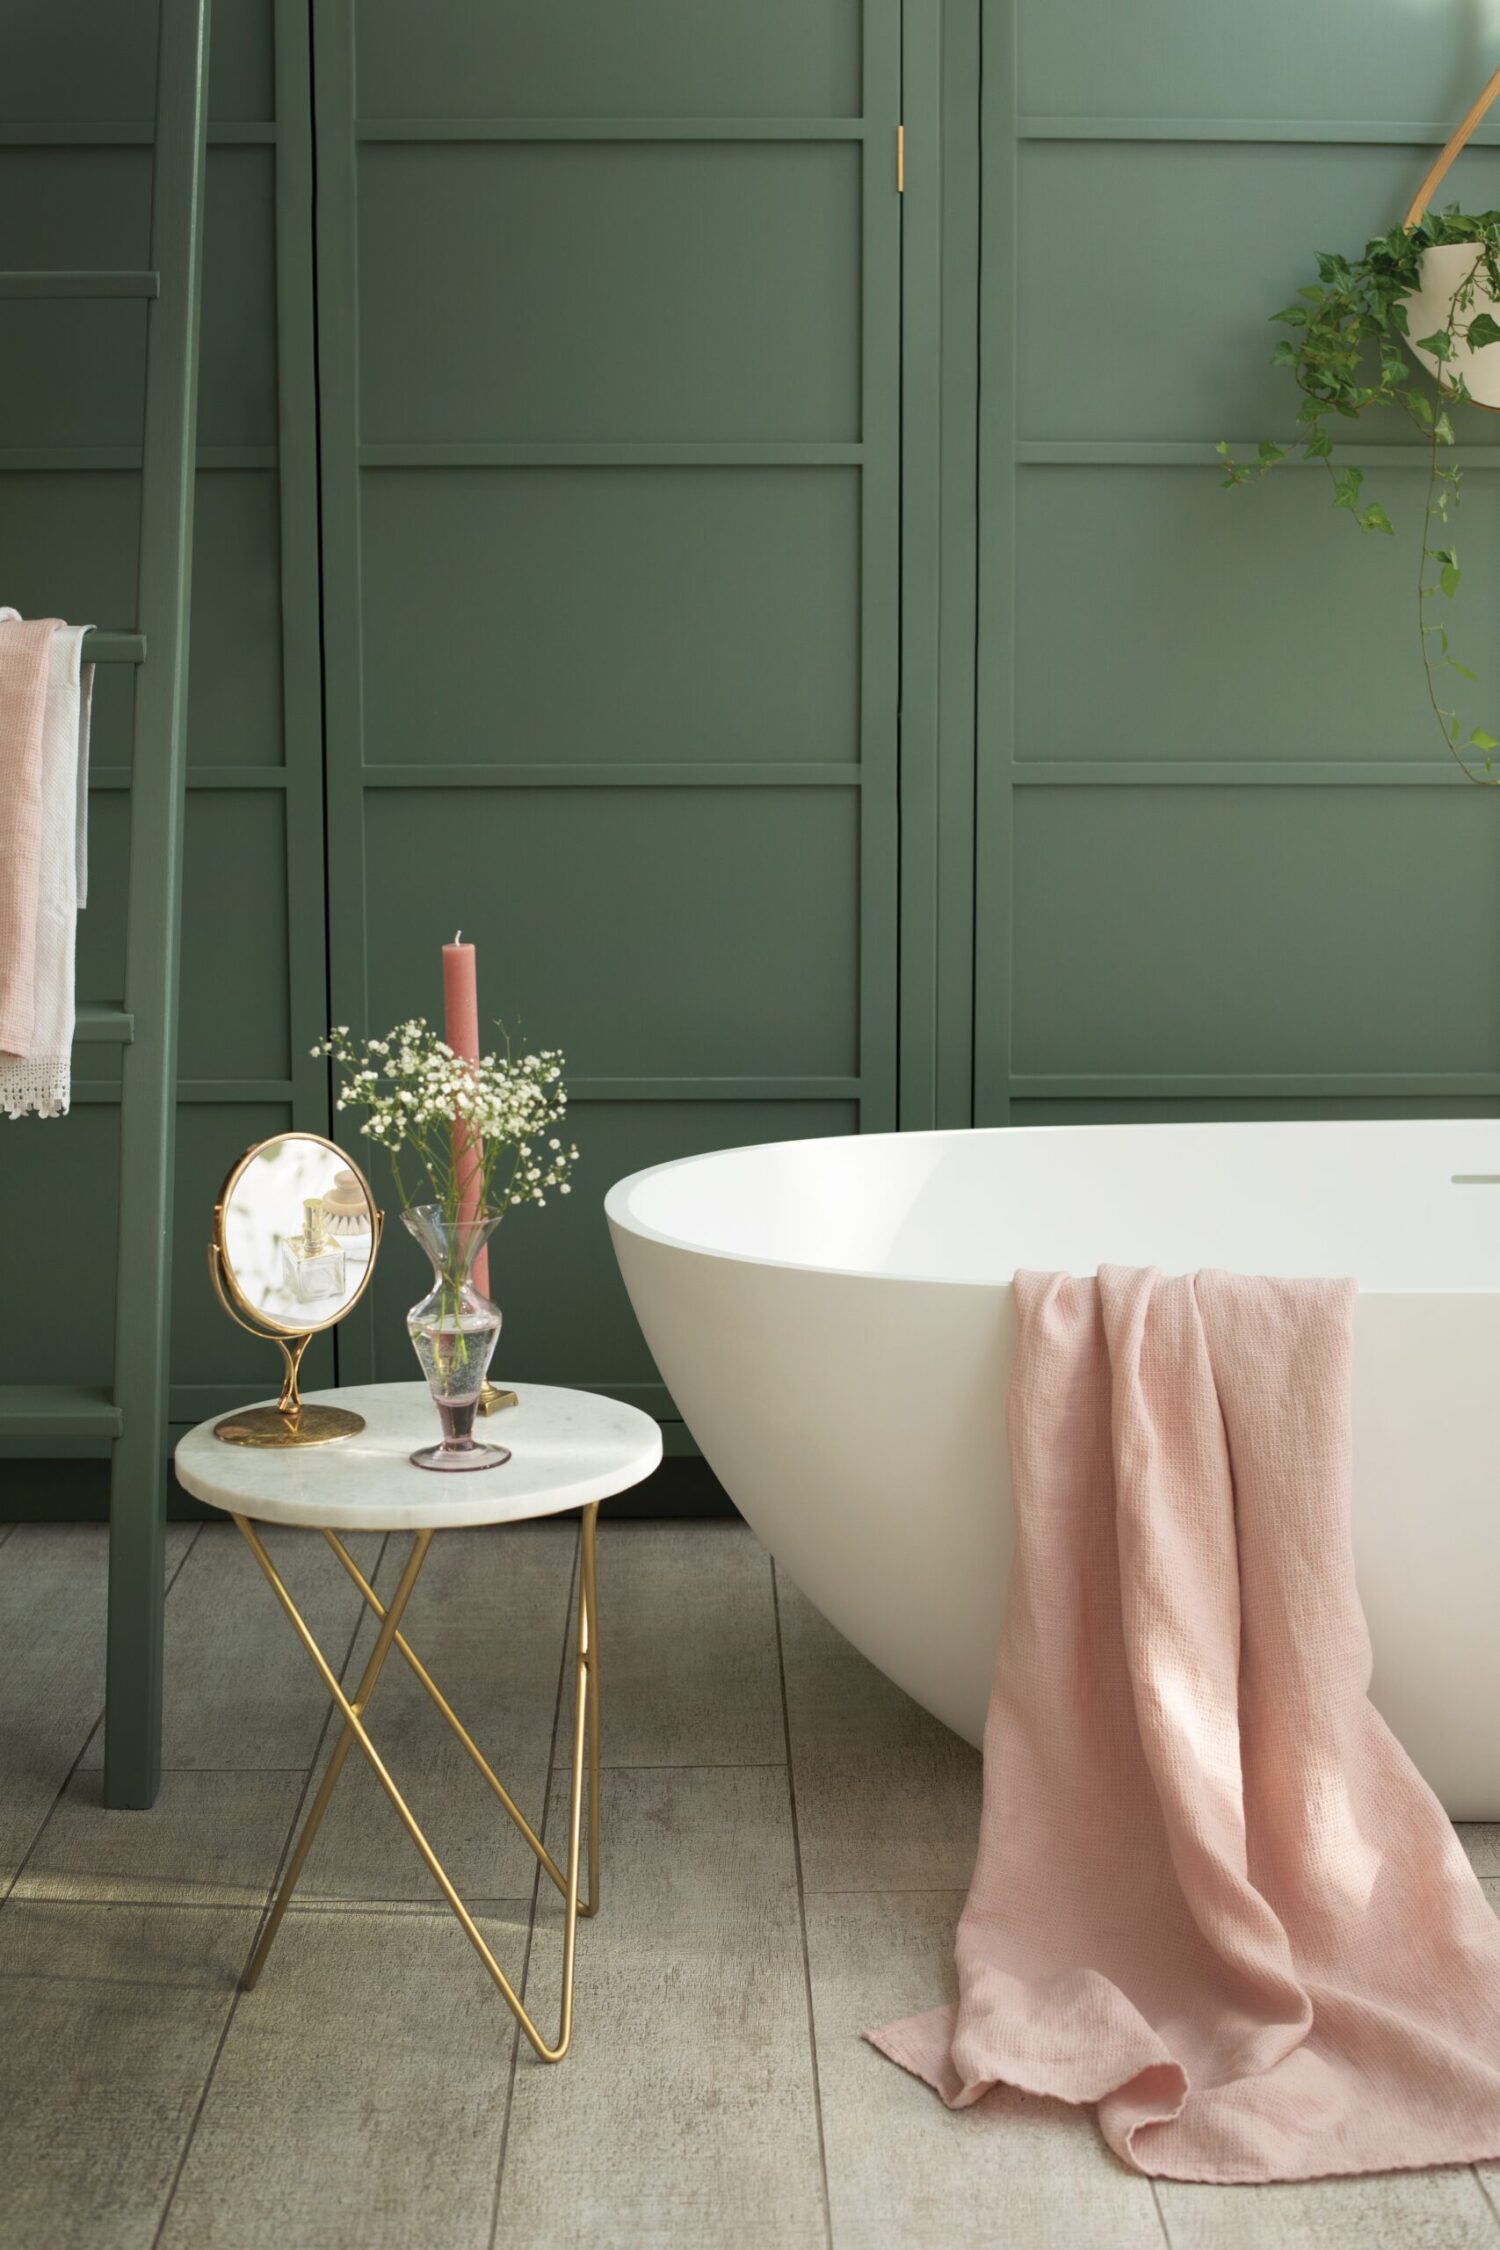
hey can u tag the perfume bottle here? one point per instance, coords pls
(312, 1262)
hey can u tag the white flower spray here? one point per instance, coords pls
(412, 1089)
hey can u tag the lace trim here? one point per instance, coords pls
(43, 1083)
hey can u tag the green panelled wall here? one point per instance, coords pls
(75, 127)
(610, 337)
(795, 630)
(1222, 865)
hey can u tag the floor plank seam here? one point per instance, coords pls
(812, 2024)
(1161, 2216)
(885, 1890)
(234, 1998)
(686, 1765)
(574, 1589)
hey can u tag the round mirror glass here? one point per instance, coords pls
(296, 1233)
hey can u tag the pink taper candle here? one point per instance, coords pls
(461, 1030)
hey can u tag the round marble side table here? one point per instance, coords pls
(569, 1449)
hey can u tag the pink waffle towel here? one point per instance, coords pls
(1213, 1895)
(24, 650)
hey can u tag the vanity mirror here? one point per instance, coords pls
(294, 1240)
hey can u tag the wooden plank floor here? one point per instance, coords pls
(786, 1844)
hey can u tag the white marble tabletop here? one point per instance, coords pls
(567, 1448)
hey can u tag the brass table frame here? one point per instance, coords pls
(585, 1740)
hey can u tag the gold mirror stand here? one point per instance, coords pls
(289, 1421)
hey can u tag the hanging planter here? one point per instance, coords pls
(1451, 273)
(1428, 292)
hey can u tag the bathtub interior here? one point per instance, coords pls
(1388, 1202)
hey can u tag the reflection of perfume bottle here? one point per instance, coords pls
(312, 1261)
(346, 1215)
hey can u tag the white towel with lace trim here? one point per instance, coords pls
(42, 1079)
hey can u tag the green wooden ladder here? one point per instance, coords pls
(133, 1414)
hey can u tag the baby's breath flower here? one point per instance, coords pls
(413, 1090)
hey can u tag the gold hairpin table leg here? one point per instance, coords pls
(585, 1740)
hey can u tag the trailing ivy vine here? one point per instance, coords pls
(1348, 356)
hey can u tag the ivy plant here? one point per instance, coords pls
(1348, 350)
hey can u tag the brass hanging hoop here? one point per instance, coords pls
(1457, 140)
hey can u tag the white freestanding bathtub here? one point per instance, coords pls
(834, 1319)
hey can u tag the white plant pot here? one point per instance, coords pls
(1444, 271)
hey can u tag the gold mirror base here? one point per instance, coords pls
(492, 1401)
(301, 1425)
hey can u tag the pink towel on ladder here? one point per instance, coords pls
(1213, 1895)
(23, 709)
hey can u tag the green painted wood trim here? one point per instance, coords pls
(114, 648)
(109, 1027)
(50, 460)
(1372, 133)
(692, 454)
(1113, 453)
(34, 1410)
(939, 355)
(770, 1088)
(337, 275)
(610, 129)
(233, 134)
(880, 570)
(205, 1090)
(921, 538)
(204, 777)
(995, 691)
(308, 1013)
(81, 284)
(1255, 773)
(149, 1064)
(1268, 1085)
(958, 621)
(669, 774)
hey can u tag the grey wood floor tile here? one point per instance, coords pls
(1405, 2210)
(211, 1839)
(111, 2018)
(902, 2168)
(887, 1797)
(687, 1647)
(487, 1619)
(684, 2113)
(52, 1610)
(359, 2100)
(239, 1689)
(1481, 1840)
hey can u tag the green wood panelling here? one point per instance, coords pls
(1221, 858)
(695, 649)
(612, 617)
(592, 58)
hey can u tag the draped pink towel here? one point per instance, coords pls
(1213, 1895)
(24, 652)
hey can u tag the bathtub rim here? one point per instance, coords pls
(617, 1198)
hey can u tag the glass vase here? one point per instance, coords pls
(454, 1332)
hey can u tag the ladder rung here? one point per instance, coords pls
(120, 283)
(103, 1027)
(114, 648)
(45, 1410)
